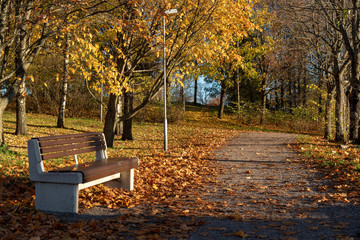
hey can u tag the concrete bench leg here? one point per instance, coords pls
(126, 181)
(56, 197)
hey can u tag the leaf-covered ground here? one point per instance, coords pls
(169, 186)
(340, 163)
(166, 183)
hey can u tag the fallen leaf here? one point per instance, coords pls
(241, 234)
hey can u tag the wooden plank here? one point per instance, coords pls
(70, 152)
(49, 143)
(79, 135)
(72, 146)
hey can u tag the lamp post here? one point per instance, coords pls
(167, 12)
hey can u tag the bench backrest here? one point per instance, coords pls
(65, 145)
(44, 148)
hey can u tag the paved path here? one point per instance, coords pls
(266, 192)
(270, 194)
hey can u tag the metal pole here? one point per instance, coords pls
(165, 98)
(101, 104)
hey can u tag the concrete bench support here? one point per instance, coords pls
(56, 197)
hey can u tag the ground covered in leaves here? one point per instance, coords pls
(167, 184)
(255, 190)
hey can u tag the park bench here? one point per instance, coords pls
(57, 190)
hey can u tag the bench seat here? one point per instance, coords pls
(98, 169)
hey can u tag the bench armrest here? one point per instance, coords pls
(59, 177)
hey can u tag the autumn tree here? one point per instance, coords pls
(330, 30)
(73, 14)
(24, 28)
(232, 50)
(132, 41)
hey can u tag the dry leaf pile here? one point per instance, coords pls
(167, 186)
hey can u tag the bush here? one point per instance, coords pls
(300, 119)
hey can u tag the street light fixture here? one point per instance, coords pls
(167, 12)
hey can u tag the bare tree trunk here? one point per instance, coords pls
(328, 113)
(34, 95)
(4, 102)
(339, 115)
(263, 92)
(128, 107)
(339, 110)
(64, 85)
(195, 90)
(290, 93)
(182, 98)
(238, 99)
(282, 105)
(119, 124)
(304, 90)
(222, 99)
(354, 115)
(110, 121)
(21, 123)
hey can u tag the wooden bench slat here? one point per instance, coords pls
(71, 152)
(67, 147)
(78, 135)
(46, 143)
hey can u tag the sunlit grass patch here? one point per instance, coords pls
(340, 163)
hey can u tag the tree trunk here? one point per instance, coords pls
(4, 102)
(64, 85)
(20, 73)
(110, 121)
(34, 95)
(128, 107)
(3, 105)
(354, 115)
(21, 123)
(263, 92)
(328, 113)
(119, 124)
(320, 109)
(304, 90)
(290, 96)
(195, 90)
(182, 98)
(339, 111)
(238, 99)
(282, 105)
(222, 99)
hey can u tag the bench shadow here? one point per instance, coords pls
(325, 222)
(246, 161)
(141, 148)
(46, 126)
(21, 147)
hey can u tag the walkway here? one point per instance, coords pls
(270, 194)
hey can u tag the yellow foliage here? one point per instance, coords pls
(111, 47)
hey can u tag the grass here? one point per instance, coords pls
(342, 165)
